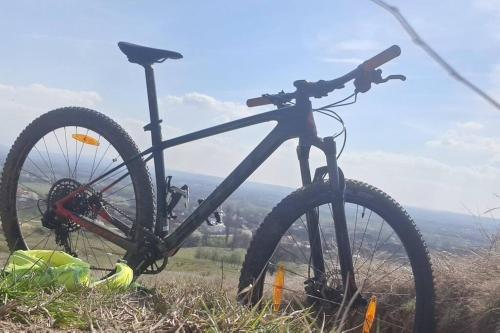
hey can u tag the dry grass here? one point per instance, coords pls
(180, 303)
(468, 290)
(468, 300)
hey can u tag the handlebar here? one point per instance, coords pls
(258, 101)
(364, 75)
(276, 99)
(381, 58)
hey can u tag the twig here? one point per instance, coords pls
(432, 53)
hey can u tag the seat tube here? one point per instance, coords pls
(161, 225)
(312, 217)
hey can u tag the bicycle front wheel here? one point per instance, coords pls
(391, 262)
(56, 154)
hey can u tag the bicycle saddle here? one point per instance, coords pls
(144, 55)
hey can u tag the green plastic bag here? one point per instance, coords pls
(45, 268)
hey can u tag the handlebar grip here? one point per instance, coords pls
(258, 101)
(381, 58)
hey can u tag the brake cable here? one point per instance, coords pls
(326, 110)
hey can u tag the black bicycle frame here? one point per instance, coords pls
(292, 122)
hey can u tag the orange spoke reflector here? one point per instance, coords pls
(279, 283)
(371, 311)
(85, 139)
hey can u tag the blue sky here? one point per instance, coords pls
(428, 142)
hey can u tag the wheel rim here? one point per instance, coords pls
(72, 155)
(382, 269)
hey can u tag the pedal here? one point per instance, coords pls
(217, 216)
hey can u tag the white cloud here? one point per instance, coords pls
(412, 180)
(203, 106)
(465, 137)
(358, 45)
(19, 105)
(347, 51)
(490, 6)
(38, 97)
(216, 155)
(425, 182)
(490, 13)
(355, 61)
(213, 156)
(494, 77)
(471, 125)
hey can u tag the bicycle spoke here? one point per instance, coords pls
(64, 155)
(76, 153)
(44, 162)
(118, 190)
(300, 248)
(39, 169)
(50, 161)
(29, 207)
(92, 249)
(37, 176)
(67, 152)
(376, 244)
(100, 160)
(108, 167)
(93, 159)
(379, 262)
(353, 239)
(79, 155)
(362, 238)
(54, 157)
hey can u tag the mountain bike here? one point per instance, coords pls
(74, 180)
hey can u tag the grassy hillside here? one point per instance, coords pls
(191, 297)
(197, 290)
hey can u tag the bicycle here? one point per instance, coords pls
(90, 213)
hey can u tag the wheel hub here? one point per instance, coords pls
(79, 205)
(319, 292)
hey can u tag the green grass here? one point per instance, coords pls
(193, 301)
(185, 261)
(176, 301)
(190, 296)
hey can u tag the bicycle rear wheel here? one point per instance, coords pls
(390, 260)
(53, 156)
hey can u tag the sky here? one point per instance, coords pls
(428, 142)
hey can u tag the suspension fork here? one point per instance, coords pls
(337, 183)
(312, 217)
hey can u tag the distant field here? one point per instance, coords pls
(185, 261)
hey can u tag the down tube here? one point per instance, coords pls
(270, 143)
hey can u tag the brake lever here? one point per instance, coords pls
(391, 77)
(363, 83)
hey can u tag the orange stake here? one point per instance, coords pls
(371, 312)
(279, 283)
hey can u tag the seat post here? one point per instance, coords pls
(161, 226)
